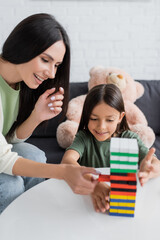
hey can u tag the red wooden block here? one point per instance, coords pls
(115, 185)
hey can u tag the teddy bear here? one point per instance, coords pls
(131, 90)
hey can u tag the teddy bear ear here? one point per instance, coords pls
(91, 71)
(96, 69)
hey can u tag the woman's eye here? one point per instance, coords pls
(93, 119)
(57, 66)
(44, 60)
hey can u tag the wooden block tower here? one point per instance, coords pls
(123, 168)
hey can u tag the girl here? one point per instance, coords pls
(103, 117)
(34, 72)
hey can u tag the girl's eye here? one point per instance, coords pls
(109, 120)
(44, 60)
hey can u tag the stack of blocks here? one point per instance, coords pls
(123, 168)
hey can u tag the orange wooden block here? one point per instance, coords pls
(123, 193)
(125, 186)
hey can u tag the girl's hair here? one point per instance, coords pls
(111, 95)
(30, 38)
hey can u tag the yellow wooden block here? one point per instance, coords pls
(131, 197)
(125, 211)
(121, 204)
(118, 197)
(122, 197)
(126, 204)
(114, 204)
(113, 210)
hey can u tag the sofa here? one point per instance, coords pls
(44, 137)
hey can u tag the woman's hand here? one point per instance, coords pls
(75, 177)
(100, 197)
(149, 167)
(49, 104)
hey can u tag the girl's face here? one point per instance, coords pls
(42, 67)
(103, 121)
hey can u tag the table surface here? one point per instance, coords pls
(51, 210)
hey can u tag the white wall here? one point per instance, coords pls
(124, 34)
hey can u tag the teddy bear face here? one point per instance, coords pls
(118, 80)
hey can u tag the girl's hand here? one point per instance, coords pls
(75, 177)
(100, 197)
(149, 167)
(49, 104)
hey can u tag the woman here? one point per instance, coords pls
(34, 80)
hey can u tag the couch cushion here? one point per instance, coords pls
(149, 103)
(51, 148)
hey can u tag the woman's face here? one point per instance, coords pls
(103, 121)
(42, 67)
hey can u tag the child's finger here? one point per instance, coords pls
(95, 205)
(101, 205)
(150, 154)
(142, 174)
(106, 204)
(143, 181)
(107, 198)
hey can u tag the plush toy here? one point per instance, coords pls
(130, 89)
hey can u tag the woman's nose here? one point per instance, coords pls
(50, 73)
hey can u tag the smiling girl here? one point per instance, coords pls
(34, 82)
(103, 117)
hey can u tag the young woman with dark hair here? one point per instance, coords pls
(34, 83)
(103, 117)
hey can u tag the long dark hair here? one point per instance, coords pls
(30, 38)
(111, 95)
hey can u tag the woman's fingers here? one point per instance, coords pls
(48, 92)
(56, 101)
(75, 178)
(55, 104)
(61, 90)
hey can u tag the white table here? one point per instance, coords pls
(51, 211)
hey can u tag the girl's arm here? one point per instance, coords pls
(73, 175)
(149, 167)
(41, 112)
(71, 157)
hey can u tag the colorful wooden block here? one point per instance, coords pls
(123, 168)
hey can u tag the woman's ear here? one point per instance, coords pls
(122, 114)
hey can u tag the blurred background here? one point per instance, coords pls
(111, 33)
